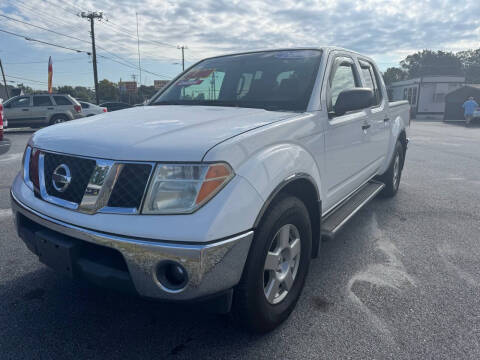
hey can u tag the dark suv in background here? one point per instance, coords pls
(40, 110)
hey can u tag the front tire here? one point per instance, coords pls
(276, 268)
(392, 176)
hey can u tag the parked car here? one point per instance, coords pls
(476, 114)
(114, 106)
(2, 121)
(41, 109)
(224, 187)
(89, 109)
(4, 143)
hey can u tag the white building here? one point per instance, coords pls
(426, 95)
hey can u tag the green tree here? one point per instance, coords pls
(393, 74)
(26, 89)
(107, 91)
(85, 94)
(428, 62)
(471, 63)
(65, 90)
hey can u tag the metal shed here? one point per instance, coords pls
(455, 99)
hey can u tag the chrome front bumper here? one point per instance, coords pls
(211, 267)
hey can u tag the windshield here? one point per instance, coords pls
(271, 80)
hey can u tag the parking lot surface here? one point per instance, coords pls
(402, 281)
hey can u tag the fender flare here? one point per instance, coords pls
(280, 187)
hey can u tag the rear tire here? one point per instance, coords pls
(273, 279)
(392, 176)
(58, 119)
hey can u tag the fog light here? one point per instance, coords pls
(171, 275)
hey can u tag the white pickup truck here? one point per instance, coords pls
(222, 188)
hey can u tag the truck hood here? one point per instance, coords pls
(153, 133)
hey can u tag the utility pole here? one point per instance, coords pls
(4, 81)
(138, 49)
(183, 47)
(92, 15)
(139, 64)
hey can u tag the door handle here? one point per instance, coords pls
(50, 108)
(386, 119)
(365, 126)
(24, 109)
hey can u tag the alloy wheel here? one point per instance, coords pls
(281, 263)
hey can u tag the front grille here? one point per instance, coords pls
(81, 169)
(130, 186)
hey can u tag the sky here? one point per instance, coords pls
(385, 30)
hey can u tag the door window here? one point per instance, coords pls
(342, 77)
(21, 102)
(62, 100)
(42, 101)
(371, 80)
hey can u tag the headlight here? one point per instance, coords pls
(183, 188)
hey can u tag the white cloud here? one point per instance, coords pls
(385, 29)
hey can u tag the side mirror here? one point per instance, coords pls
(353, 99)
(7, 106)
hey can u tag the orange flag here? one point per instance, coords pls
(50, 74)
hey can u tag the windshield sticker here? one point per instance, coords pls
(292, 54)
(198, 74)
(189, 82)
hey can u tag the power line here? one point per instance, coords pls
(26, 79)
(75, 38)
(132, 35)
(42, 28)
(47, 17)
(82, 40)
(134, 67)
(40, 61)
(44, 42)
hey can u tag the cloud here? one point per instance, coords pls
(386, 29)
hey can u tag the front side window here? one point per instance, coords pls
(271, 80)
(42, 101)
(21, 102)
(342, 77)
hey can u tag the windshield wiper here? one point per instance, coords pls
(167, 103)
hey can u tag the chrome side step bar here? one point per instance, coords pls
(335, 220)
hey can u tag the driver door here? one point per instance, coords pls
(18, 111)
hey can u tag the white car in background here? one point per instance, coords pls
(476, 114)
(90, 109)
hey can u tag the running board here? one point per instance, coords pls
(335, 220)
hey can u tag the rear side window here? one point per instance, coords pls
(371, 81)
(62, 100)
(85, 105)
(42, 101)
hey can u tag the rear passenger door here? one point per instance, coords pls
(346, 159)
(42, 105)
(378, 133)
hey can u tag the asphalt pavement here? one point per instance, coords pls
(401, 281)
